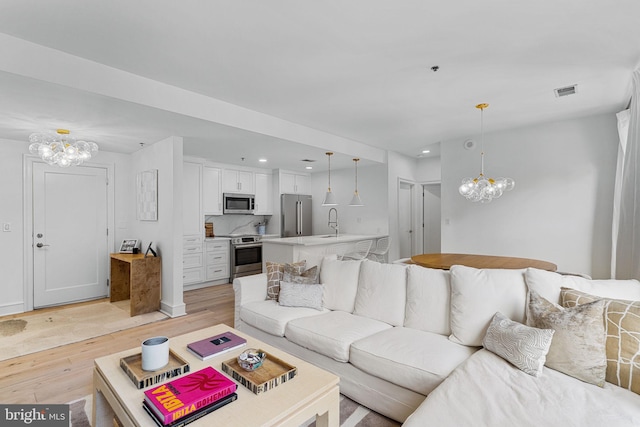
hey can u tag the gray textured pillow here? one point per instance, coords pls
(523, 346)
(307, 277)
(578, 345)
(300, 295)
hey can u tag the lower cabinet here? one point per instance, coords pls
(217, 260)
(192, 260)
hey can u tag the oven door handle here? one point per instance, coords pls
(250, 245)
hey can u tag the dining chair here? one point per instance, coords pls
(338, 249)
(360, 251)
(381, 249)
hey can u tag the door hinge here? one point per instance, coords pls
(107, 231)
(108, 283)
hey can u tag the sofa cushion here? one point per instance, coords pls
(382, 292)
(524, 347)
(271, 317)
(300, 295)
(547, 284)
(410, 358)
(428, 299)
(340, 280)
(477, 294)
(275, 273)
(578, 345)
(622, 329)
(331, 334)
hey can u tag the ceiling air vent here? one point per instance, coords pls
(307, 160)
(566, 91)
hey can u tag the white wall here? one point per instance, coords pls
(561, 208)
(165, 233)
(368, 219)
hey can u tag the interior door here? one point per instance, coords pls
(70, 242)
(431, 242)
(405, 219)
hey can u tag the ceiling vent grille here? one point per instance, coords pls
(566, 91)
(308, 160)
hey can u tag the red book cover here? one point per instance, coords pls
(178, 398)
(213, 346)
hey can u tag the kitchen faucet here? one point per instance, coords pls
(333, 224)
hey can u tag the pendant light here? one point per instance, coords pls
(483, 189)
(329, 198)
(355, 201)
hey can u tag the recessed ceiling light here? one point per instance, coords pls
(262, 160)
(426, 151)
(308, 167)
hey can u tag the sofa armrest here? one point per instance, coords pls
(248, 289)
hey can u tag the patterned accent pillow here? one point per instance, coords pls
(622, 328)
(307, 277)
(300, 295)
(523, 346)
(578, 345)
(275, 273)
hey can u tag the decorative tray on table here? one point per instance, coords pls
(132, 365)
(272, 373)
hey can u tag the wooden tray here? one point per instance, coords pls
(132, 365)
(272, 373)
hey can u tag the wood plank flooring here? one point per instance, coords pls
(65, 373)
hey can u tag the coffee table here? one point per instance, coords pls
(313, 392)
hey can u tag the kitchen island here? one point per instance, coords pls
(311, 248)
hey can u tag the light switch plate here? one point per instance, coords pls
(6, 226)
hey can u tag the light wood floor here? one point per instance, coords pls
(65, 373)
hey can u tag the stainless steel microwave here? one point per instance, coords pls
(238, 203)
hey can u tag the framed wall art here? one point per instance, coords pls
(147, 192)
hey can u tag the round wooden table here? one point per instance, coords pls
(445, 261)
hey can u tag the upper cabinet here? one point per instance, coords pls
(264, 194)
(212, 190)
(191, 192)
(294, 183)
(238, 181)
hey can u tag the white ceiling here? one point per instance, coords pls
(291, 79)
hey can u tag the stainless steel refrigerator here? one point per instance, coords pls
(296, 215)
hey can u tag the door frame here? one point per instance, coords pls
(422, 185)
(27, 201)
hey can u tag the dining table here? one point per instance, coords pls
(446, 260)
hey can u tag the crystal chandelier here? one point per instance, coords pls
(483, 189)
(59, 148)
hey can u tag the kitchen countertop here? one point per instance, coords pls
(324, 239)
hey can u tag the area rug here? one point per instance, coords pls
(351, 415)
(42, 331)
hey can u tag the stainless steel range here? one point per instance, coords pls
(246, 255)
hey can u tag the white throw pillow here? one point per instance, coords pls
(547, 284)
(523, 346)
(428, 299)
(300, 295)
(382, 292)
(340, 279)
(477, 294)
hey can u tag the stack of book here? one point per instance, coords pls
(185, 399)
(209, 347)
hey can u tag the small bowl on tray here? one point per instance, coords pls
(251, 359)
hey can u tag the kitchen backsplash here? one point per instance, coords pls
(225, 224)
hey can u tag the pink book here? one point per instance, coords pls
(185, 395)
(213, 346)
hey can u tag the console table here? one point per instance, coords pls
(445, 261)
(136, 278)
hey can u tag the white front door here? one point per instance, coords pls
(431, 242)
(70, 242)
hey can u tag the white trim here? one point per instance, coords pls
(11, 308)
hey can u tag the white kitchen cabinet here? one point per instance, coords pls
(192, 217)
(264, 194)
(293, 183)
(238, 181)
(212, 190)
(192, 259)
(217, 262)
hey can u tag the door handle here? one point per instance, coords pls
(40, 245)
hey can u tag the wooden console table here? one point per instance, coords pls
(445, 261)
(136, 278)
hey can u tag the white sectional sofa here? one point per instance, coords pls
(394, 333)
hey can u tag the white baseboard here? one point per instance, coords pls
(12, 308)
